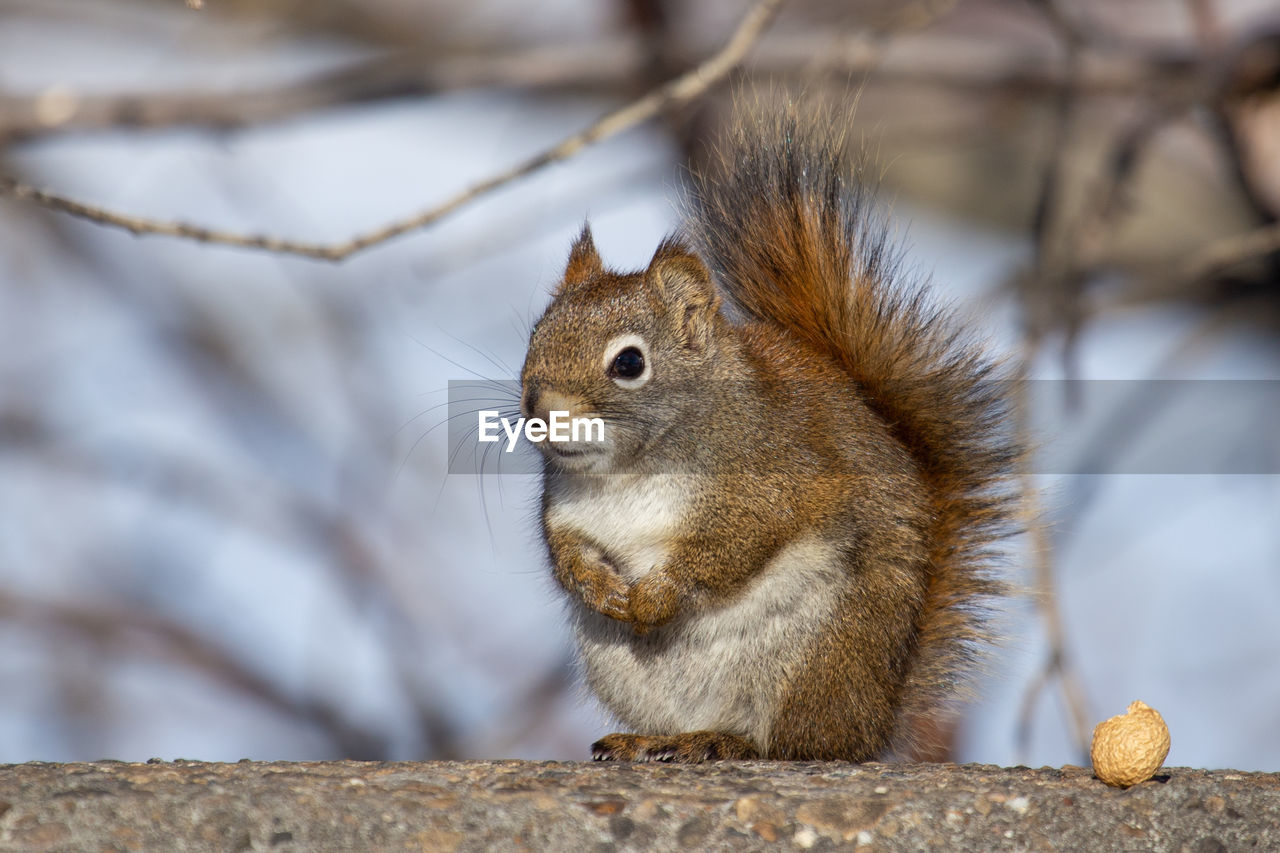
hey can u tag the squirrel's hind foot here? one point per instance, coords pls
(686, 748)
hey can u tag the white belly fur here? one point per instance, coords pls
(631, 518)
(722, 669)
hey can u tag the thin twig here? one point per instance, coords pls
(678, 91)
(1221, 255)
(1055, 277)
(1057, 662)
(599, 66)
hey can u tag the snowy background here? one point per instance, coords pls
(226, 527)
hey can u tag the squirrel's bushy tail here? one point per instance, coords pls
(791, 234)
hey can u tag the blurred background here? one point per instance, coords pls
(227, 523)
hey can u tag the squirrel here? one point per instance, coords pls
(783, 545)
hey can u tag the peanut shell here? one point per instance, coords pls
(1129, 748)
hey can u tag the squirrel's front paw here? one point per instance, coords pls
(653, 601)
(596, 583)
(605, 592)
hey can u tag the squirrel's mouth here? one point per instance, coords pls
(572, 452)
(576, 458)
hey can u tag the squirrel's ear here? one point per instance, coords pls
(584, 260)
(683, 284)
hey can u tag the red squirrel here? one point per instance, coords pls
(782, 546)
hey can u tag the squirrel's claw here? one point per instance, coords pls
(615, 605)
(685, 748)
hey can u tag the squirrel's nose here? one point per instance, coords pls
(538, 401)
(529, 399)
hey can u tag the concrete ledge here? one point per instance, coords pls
(578, 807)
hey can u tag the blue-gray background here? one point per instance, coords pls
(227, 528)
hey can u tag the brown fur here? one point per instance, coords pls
(829, 411)
(795, 243)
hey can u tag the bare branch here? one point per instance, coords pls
(678, 91)
(599, 65)
(938, 60)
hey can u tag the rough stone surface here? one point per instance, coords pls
(580, 807)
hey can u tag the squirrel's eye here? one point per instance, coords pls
(624, 361)
(628, 364)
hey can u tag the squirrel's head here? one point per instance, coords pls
(624, 348)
